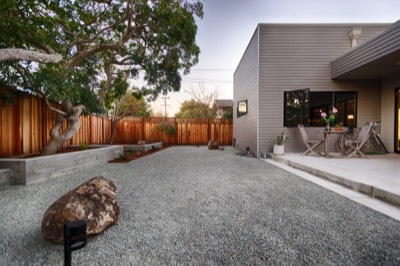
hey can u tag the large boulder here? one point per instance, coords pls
(94, 201)
(212, 145)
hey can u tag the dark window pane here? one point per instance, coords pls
(297, 108)
(345, 102)
(319, 102)
(305, 107)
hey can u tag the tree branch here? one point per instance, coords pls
(46, 101)
(14, 54)
(82, 55)
(38, 44)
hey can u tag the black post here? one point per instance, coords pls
(74, 238)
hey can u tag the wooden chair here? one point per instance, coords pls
(354, 146)
(311, 144)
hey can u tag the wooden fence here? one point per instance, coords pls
(25, 127)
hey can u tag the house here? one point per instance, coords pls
(290, 73)
(222, 106)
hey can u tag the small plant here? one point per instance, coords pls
(84, 145)
(124, 156)
(282, 139)
(167, 128)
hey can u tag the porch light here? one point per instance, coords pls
(350, 117)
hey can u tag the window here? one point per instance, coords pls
(241, 108)
(305, 107)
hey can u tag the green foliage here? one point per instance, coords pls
(228, 114)
(129, 105)
(7, 99)
(96, 38)
(167, 128)
(124, 156)
(194, 109)
(84, 145)
(282, 139)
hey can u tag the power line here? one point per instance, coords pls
(212, 69)
(202, 81)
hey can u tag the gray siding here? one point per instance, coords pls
(245, 86)
(299, 56)
(386, 43)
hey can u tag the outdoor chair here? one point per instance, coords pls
(354, 146)
(311, 144)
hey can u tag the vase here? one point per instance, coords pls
(328, 127)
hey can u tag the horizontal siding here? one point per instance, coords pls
(245, 87)
(383, 44)
(299, 56)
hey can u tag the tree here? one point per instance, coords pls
(98, 40)
(194, 109)
(201, 104)
(129, 104)
(203, 95)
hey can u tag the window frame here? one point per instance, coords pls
(240, 113)
(308, 93)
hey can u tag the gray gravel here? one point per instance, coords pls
(191, 206)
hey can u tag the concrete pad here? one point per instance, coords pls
(374, 203)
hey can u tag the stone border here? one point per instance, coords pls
(143, 147)
(31, 170)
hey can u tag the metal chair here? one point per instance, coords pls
(311, 144)
(354, 146)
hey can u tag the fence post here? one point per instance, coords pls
(208, 130)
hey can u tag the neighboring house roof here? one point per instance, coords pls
(223, 103)
(376, 58)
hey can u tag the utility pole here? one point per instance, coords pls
(165, 105)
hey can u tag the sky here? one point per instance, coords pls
(228, 25)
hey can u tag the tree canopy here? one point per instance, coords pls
(194, 109)
(97, 40)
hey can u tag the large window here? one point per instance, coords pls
(305, 107)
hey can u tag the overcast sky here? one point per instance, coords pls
(228, 25)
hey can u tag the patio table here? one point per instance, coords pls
(327, 133)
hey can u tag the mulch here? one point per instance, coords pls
(133, 155)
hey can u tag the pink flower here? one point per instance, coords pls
(334, 110)
(323, 114)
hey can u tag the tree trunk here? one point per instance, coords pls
(113, 128)
(59, 138)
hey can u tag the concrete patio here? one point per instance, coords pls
(378, 176)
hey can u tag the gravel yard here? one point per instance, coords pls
(192, 206)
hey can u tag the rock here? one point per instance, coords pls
(213, 145)
(141, 142)
(94, 201)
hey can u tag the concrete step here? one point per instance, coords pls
(5, 177)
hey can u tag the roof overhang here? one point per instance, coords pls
(377, 58)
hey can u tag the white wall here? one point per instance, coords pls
(388, 110)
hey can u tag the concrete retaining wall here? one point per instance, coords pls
(32, 170)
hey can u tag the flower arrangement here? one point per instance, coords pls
(331, 117)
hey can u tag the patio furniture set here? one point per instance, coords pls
(349, 142)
